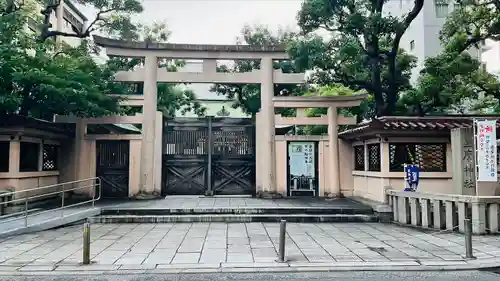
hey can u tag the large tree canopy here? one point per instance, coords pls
(40, 79)
(247, 96)
(473, 22)
(361, 50)
(37, 81)
(454, 81)
(333, 90)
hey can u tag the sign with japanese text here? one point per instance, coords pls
(301, 159)
(412, 177)
(464, 164)
(468, 167)
(486, 150)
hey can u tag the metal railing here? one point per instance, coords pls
(21, 197)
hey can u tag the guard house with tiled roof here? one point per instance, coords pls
(32, 153)
(380, 148)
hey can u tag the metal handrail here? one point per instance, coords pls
(96, 185)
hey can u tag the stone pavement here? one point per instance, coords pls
(203, 202)
(215, 247)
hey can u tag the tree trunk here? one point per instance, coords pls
(392, 92)
(376, 82)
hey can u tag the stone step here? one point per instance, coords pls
(237, 211)
(233, 218)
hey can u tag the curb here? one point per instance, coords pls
(96, 269)
(233, 218)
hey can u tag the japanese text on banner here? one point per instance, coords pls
(486, 150)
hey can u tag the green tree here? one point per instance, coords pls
(113, 16)
(247, 96)
(334, 90)
(452, 83)
(37, 81)
(471, 24)
(362, 48)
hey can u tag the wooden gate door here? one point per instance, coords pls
(112, 167)
(233, 156)
(208, 156)
(184, 156)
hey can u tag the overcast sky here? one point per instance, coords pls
(216, 21)
(220, 21)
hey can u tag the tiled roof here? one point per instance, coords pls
(14, 120)
(405, 123)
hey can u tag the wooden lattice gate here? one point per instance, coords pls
(112, 167)
(208, 156)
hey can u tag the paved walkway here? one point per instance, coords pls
(195, 202)
(176, 204)
(218, 246)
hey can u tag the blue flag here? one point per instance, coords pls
(412, 177)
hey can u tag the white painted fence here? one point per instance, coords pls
(444, 211)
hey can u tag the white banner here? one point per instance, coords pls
(486, 150)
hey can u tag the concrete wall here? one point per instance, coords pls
(82, 150)
(371, 185)
(86, 164)
(15, 180)
(29, 180)
(78, 161)
(366, 184)
(134, 167)
(345, 152)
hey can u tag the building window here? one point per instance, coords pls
(359, 158)
(4, 156)
(29, 154)
(430, 157)
(50, 154)
(441, 7)
(412, 45)
(72, 20)
(374, 157)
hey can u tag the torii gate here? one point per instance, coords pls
(266, 76)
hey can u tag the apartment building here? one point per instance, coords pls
(422, 37)
(491, 57)
(68, 18)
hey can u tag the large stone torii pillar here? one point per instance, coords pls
(150, 74)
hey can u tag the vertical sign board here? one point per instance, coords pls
(301, 159)
(462, 148)
(486, 150)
